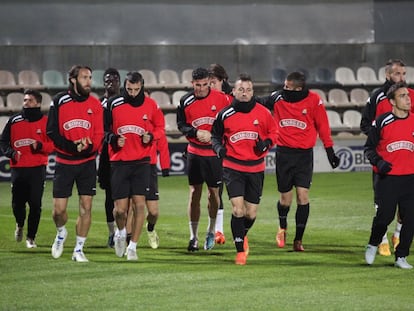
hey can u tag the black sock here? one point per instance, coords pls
(283, 212)
(150, 227)
(248, 223)
(128, 238)
(237, 228)
(302, 214)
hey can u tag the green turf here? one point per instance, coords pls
(329, 275)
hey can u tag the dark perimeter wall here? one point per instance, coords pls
(244, 36)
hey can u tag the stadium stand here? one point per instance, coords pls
(410, 75)
(7, 80)
(322, 95)
(169, 78)
(97, 78)
(163, 100)
(345, 76)
(335, 96)
(367, 76)
(150, 78)
(352, 119)
(171, 125)
(176, 96)
(3, 108)
(14, 101)
(46, 101)
(338, 98)
(3, 122)
(359, 96)
(29, 79)
(335, 121)
(186, 77)
(53, 79)
(324, 76)
(381, 74)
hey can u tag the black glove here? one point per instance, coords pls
(383, 167)
(39, 146)
(263, 145)
(14, 157)
(113, 141)
(165, 172)
(221, 152)
(332, 157)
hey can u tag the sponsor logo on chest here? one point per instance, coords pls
(24, 142)
(400, 145)
(201, 121)
(75, 123)
(132, 129)
(292, 122)
(243, 135)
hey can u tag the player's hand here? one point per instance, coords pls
(263, 145)
(83, 144)
(86, 142)
(332, 157)
(16, 156)
(383, 167)
(36, 146)
(221, 152)
(147, 138)
(121, 141)
(204, 136)
(165, 172)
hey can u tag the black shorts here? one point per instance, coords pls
(128, 179)
(204, 169)
(28, 185)
(153, 194)
(84, 175)
(293, 168)
(247, 185)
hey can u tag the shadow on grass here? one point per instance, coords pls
(262, 253)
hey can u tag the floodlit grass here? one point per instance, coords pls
(329, 275)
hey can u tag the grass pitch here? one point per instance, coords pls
(330, 275)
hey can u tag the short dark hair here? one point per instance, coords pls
(218, 71)
(298, 78)
(391, 62)
(35, 94)
(393, 88)
(113, 72)
(245, 77)
(74, 71)
(134, 77)
(200, 73)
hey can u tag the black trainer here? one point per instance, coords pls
(193, 245)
